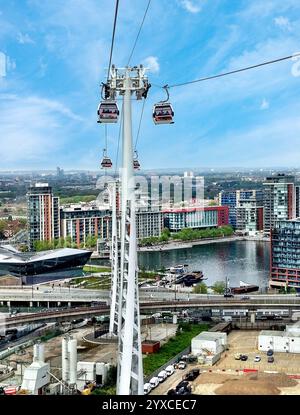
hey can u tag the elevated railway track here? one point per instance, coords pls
(66, 314)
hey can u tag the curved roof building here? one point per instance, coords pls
(36, 267)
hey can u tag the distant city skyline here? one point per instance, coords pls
(54, 55)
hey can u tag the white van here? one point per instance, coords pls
(147, 388)
(162, 376)
(154, 382)
(170, 370)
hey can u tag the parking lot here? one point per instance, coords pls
(245, 342)
(228, 377)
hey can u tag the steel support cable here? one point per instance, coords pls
(113, 38)
(230, 72)
(119, 139)
(140, 123)
(139, 32)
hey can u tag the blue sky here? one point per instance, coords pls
(56, 53)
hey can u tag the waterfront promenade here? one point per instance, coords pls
(168, 246)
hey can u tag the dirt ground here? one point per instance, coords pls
(245, 384)
(227, 377)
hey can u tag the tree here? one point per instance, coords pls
(219, 287)
(200, 288)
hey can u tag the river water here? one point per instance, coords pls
(248, 261)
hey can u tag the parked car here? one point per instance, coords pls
(154, 382)
(270, 359)
(237, 356)
(162, 376)
(257, 359)
(228, 295)
(245, 297)
(270, 352)
(244, 357)
(147, 388)
(181, 365)
(192, 375)
(170, 370)
(184, 390)
(182, 384)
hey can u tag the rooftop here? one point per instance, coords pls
(9, 254)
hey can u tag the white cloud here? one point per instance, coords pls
(32, 128)
(151, 62)
(264, 104)
(190, 6)
(24, 38)
(283, 23)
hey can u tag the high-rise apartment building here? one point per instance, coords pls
(42, 214)
(279, 200)
(82, 220)
(245, 208)
(285, 254)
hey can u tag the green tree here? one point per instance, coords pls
(219, 287)
(200, 288)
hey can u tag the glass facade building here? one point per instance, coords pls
(285, 254)
(34, 267)
(279, 200)
(195, 218)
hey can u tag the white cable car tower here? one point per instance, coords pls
(125, 301)
(114, 322)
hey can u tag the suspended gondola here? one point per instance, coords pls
(136, 163)
(108, 112)
(163, 112)
(106, 162)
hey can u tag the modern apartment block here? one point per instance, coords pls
(285, 254)
(249, 216)
(85, 219)
(245, 209)
(149, 223)
(196, 218)
(42, 214)
(279, 199)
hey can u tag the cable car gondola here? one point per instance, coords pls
(108, 112)
(136, 163)
(163, 111)
(106, 162)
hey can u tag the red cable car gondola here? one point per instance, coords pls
(163, 111)
(108, 112)
(136, 163)
(106, 162)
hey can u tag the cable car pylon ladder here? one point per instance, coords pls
(128, 81)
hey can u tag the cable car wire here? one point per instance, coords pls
(119, 139)
(230, 72)
(140, 123)
(139, 32)
(113, 38)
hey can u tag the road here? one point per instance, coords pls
(154, 306)
(30, 294)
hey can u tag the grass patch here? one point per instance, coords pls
(77, 199)
(91, 268)
(174, 346)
